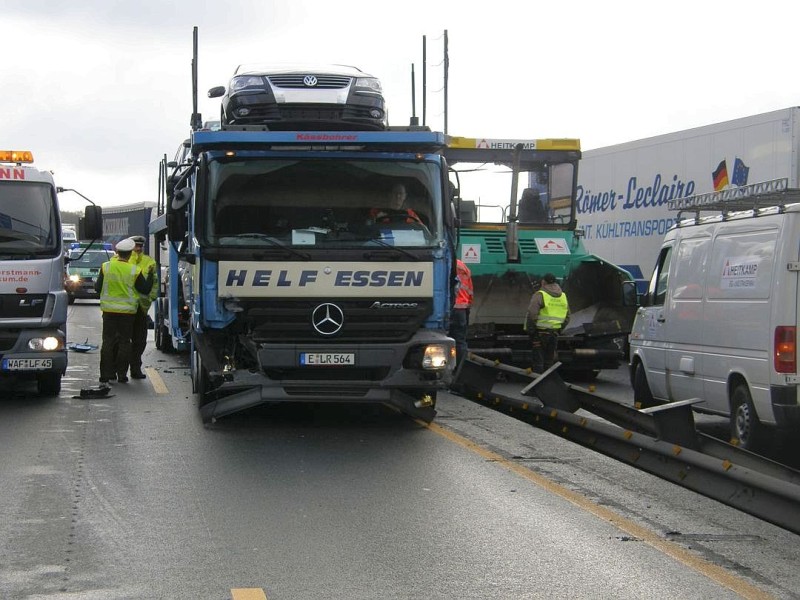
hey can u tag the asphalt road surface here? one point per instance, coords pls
(131, 496)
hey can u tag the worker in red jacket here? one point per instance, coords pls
(459, 316)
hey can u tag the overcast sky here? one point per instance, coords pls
(101, 90)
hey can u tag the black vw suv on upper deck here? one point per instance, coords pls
(282, 97)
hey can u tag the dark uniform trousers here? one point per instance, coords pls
(138, 340)
(115, 353)
(543, 345)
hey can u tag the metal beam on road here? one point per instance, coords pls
(693, 460)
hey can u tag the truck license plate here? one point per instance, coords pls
(326, 359)
(27, 364)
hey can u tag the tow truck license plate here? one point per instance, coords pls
(26, 364)
(326, 359)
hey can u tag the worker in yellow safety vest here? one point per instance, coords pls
(548, 314)
(119, 283)
(139, 336)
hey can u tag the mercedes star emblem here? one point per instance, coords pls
(327, 319)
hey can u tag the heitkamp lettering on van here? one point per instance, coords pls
(325, 280)
(739, 272)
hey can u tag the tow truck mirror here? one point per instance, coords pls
(93, 222)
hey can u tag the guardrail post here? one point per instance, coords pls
(552, 391)
(473, 377)
(675, 422)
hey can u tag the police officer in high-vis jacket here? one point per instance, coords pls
(548, 314)
(139, 337)
(119, 284)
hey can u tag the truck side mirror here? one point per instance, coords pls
(177, 219)
(93, 222)
(629, 295)
(450, 218)
(180, 199)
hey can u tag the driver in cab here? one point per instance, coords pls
(397, 210)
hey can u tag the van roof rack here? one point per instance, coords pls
(775, 192)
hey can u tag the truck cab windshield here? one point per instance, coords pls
(322, 203)
(544, 194)
(28, 220)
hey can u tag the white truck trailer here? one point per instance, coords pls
(624, 190)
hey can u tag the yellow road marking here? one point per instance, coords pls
(248, 594)
(702, 566)
(155, 380)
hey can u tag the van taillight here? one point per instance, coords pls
(786, 349)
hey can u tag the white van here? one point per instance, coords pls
(68, 235)
(719, 321)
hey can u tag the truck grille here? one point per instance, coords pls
(327, 82)
(22, 306)
(285, 321)
(291, 376)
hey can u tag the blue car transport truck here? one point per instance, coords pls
(300, 281)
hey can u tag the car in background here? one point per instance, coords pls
(68, 235)
(286, 97)
(83, 268)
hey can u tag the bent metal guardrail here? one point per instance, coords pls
(662, 441)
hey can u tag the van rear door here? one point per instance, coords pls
(744, 306)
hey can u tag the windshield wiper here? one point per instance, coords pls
(397, 249)
(276, 243)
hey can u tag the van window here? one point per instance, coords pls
(741, 265)
(660, 278)
(690, 268)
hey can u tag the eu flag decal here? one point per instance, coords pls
(740, 172)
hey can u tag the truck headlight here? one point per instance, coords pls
(47, 343)
(435, 356)
(74, 278)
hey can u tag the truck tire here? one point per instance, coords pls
(163, 338)
(746, 429)
(48, 384)
(199, 378)
(642, 396)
